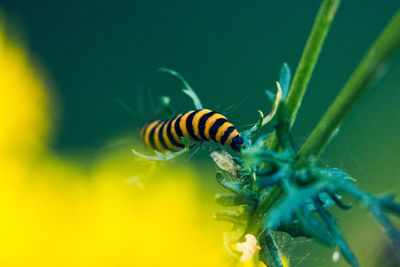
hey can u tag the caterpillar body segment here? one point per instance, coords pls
(199, 125)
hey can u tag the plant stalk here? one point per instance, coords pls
(256, 224)
(308, 60)
(310, 56)
(322, 23)
(368, 71)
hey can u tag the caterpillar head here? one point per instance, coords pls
(237, 143)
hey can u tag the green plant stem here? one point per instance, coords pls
(310, 55)
(367, 72)
(308, 60)
(256, 224)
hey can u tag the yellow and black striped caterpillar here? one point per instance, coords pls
(202, 124)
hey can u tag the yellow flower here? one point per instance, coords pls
(23, 101)
(56, 212)
(116, 212)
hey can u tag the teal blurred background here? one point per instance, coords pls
(98, 54)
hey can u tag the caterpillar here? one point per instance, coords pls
(199, 125)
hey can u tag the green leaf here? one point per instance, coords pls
(246, 197)
(231, 216)
(234, 186)
(160, 156)
(269, 253)
(295, 198)
(284, 79)
(313, 227)
(187, 89)
(336, 234)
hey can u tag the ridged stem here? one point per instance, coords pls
(368, 71)
(308, 60)
(310, 55)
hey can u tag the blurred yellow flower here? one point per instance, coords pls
(23, 100)
(57, 213)
(116, 212)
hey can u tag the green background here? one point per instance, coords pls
(99, 53)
